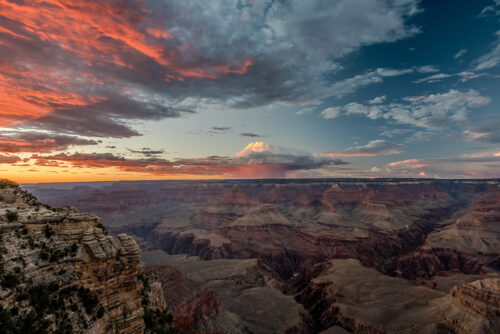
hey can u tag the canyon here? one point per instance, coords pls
(304, 256)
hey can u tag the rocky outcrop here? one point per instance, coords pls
(60, 270)
(482, 296)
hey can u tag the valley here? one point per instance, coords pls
(311, 255)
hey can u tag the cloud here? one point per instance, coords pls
(493, 9)
(350, 85)
(305, 111)
(217, 130)
(373, 148)
(434, 78)
(332, 112)
(9, 159)
(483, 129)
(427, 69)
(146, 151)
(460, 53)
(257, 160)
(464, 77)
(221, 128)
(124, 61)
(490, 59)
(251, 135)
(432, 111)
(377, 100)
(15, 141)
(476, 135)
(373, 76)
(479, 165)
(107, 118)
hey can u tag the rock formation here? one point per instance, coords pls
(310, 256)
(60, 271)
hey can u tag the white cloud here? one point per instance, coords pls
(460, 53)
(434, 78)
(427, 69)
(373, 148)
(491, 59)
(350, 85)
(377, 100)
(305, 111)
(476, 135)
(493, 9)
(431, 111)
(330, 113)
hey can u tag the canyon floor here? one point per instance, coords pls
(311, 256)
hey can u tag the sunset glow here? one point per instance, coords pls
(140, 89)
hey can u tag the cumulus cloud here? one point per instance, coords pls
(377, 100)
(373, 148)
(332, 112)
(428, 111)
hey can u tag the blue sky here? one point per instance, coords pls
(224, 89)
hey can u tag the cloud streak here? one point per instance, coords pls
(373, 148)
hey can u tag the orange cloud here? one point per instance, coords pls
(57, 47)
(411, 163)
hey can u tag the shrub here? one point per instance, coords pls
(11, 216)
(10, 281)
(88, 299)
(48, 231)
(44, 255)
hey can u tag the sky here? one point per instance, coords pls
(185, 89)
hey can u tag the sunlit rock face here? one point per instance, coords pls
(60, 269)
(304, 239)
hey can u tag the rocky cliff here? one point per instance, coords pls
(60, 271)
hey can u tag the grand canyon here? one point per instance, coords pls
(310, 255)
(249, 166)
